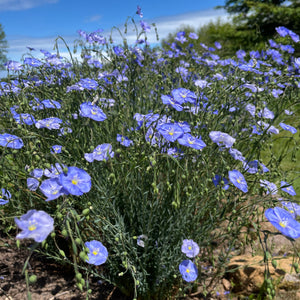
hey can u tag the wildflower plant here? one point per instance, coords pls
(138, 153)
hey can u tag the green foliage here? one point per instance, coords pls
(225, 33)
(244, 6)
(263, 18)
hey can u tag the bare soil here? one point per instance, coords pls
(54, 282)
(57, 282)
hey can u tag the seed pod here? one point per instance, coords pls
(86, 211)
(32, 279)
(78, 276)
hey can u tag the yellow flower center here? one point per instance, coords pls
(190, 248)
(93, 112)
(54, 192)
(32, 227)
(95, 252)
(238, 180)
(187, 270)
(282, 224)
(75, 181)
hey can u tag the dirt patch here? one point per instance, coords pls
(54, 282)
(57, 282)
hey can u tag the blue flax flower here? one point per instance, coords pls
(175, 152)
(283, 221)
(100, 153)
(286, 187)
(124, 140)
(49, 123)
(97, 253)
(217, 180)
(185, 126)
(27, 119)
(201, 83)
(182, 95)
(238, 180)
(4, 196)
(283, 31)
(88, 83)
(139, 11)
(252, 167)
(192, 142)
(270, 186)
(180, 37)
(140, 240)
(190, 248)
(170, 131)
(168, 100)
(292, 207)
(76, 181)
(13, 65)
(32, 62)
(37, 173)
(10, 141)
(266, 113)
(56, 149)
(52, 188)
(276, 92)
(54, 171)
(288, 112)
(35, 225)
(218, 45)
(222, 138)
(32, 184)
(236, 154)
(290, 128)
(188, 270)
(87, 109)
(51, 103)
(145, 26)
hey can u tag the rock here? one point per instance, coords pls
(290, 282)
(247, 273)
(226, 284)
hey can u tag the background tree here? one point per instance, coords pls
(243, 6)
(3, 48)
(252, 24)
(263, 16)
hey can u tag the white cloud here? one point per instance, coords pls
(6, 5)
(18, 46)
(93, 19)
(165, 25)
(170, 24)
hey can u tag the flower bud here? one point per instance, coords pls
(32, 279)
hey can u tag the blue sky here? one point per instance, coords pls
(36, 23)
